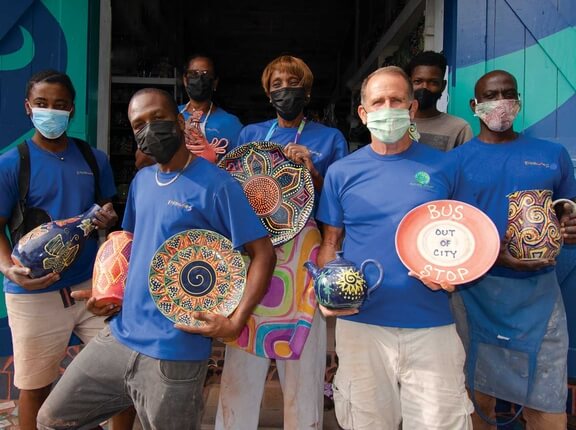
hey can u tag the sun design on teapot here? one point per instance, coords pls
(351, 284)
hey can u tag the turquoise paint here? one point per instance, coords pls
(21, 58)
(536, 92)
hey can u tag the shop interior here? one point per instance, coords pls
(340, 41)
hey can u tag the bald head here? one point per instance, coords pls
(499, 81)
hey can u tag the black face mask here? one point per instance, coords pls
(159, 139)
(200, 88)
(426, 98)
(288, 101)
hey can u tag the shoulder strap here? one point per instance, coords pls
(17, 217)
(86, 151)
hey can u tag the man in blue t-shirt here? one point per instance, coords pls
(143, 359)
(210, 130)
(61, 185)
(400, 358)
(515, 331)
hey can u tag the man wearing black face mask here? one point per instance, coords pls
(142, 358)
(437, 129)
(210, 130)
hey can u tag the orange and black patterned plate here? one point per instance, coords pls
(280, 191)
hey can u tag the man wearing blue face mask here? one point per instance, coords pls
(64, 179)
(400, 358)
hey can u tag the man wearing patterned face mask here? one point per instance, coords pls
(512, 321)
(437, 129)
(210, 130)
(400, 358)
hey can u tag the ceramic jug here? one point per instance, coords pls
(533, 227)
(111, 268)
(53, 246)
(340, 285)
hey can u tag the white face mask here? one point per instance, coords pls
(498, 115)
(388, 125)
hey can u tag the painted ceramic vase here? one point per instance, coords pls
(340, 284)
(533, 228)
(111, 268)
(53, 246)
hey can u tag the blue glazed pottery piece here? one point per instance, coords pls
(53, 246)
(340, 284)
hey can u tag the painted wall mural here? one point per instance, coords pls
(37, 35)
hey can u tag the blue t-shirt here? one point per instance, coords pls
(489, 172)
(326, 144)
(203, 197)
(368, 194)
(220, 124)
(64, 189)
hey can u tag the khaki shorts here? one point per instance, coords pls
(41, 328)
(387, 376)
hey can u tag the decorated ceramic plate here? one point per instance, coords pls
(196, 270)
(280, 191)
(447, 240)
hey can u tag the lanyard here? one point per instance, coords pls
(274, 126)
(203, 123)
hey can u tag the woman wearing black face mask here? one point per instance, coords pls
(210, 130)
(287, 82)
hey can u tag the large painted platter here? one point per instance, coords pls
(196, 270)
(447, 240)
(280, 191)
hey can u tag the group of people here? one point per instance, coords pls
(416, 355)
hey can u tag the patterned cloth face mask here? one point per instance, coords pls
(388, 125)
(498, 115)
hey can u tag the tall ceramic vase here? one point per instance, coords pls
(53, 246)
(533, 227)
(111, 268)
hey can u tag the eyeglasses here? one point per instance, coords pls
(197, 73)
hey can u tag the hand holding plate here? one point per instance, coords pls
(434, 286)
(215, 325)
(105, 310)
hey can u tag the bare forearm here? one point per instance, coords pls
(5, 252)
(331, 242)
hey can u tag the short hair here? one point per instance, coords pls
(427, 58)
(51, 76)
(164, 94)
(293, 65)
(389, 70)
(200, 55)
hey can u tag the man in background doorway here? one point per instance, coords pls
(437, 129)
(210, 130)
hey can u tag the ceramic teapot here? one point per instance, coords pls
(340, 285)
(111, 268)
(533, 229)
(53, 246)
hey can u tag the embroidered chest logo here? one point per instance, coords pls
(185, 206)
(551, 166)
(422, 179)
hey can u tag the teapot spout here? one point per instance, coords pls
(312, 268)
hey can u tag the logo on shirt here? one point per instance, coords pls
(180, 205)
(84, 172)
(422, 179)
(551, 166)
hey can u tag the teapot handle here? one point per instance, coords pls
(380, 274)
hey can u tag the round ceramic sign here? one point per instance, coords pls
(447, 240)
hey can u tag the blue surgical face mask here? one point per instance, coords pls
(50, 123)
(388, 125)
